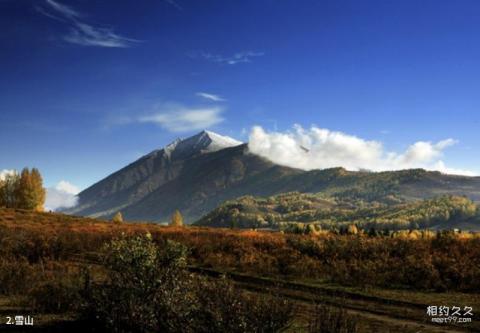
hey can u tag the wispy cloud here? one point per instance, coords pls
(87, 35)
(82, 33)
(211, 97)
(178, 118)
(64, 10)
(237, 58)
(319, 148)
(174, 4)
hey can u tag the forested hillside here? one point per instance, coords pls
(288, 210)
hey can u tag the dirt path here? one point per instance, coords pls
(401, 316)
(391, 315)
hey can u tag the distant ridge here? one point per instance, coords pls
(198, 173)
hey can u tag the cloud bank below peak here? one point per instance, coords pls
(320, 148)
(63, 195)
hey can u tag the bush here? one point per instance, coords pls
(224, 308)
(328, 319)
(145, 285)
(16, 275)
(117, 218)
(149, 289)
(56, 296)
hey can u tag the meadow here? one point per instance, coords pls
(44, 254)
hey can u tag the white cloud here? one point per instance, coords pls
(82, 33)
(67, 187)
(63, 195)
(87, 35)
(178, 118)
(239, 57)
(63, 9)
(211, 97)
(6, 172)
(440, 166)
(318, 148)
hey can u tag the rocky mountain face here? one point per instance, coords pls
(197, 174)
(193, 175)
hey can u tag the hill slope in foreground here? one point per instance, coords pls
(31, 238)
(199, 173)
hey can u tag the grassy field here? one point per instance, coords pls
(349, 271)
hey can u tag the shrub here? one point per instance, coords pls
(224, 308)
(56, 296)
(117, 218)
(149, 289)
(328, 319)
(16, 275)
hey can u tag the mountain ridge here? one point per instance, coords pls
(198, 173)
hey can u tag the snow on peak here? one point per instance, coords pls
(171, 146)
(218, 141)
(205, 141)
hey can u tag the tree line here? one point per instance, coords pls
(23, 190)
(296, 211)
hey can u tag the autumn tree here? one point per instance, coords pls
(39, 192)
(30, 192)
(352, 229)
(117, 218)
(177, 219)
(24, 191)
(8, 190)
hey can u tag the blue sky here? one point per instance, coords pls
(87, 86)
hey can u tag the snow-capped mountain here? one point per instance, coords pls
(190, 174)
(198, 173)
(203, 142)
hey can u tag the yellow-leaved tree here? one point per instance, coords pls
(177, 219)
(23, 191)
(117, 218)
(31, 194)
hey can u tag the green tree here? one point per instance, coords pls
(177, 219)
(149, 289)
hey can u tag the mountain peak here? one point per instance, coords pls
(205, 141)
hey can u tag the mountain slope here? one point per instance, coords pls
(193, 175)
(293, 210)
(197, 174)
